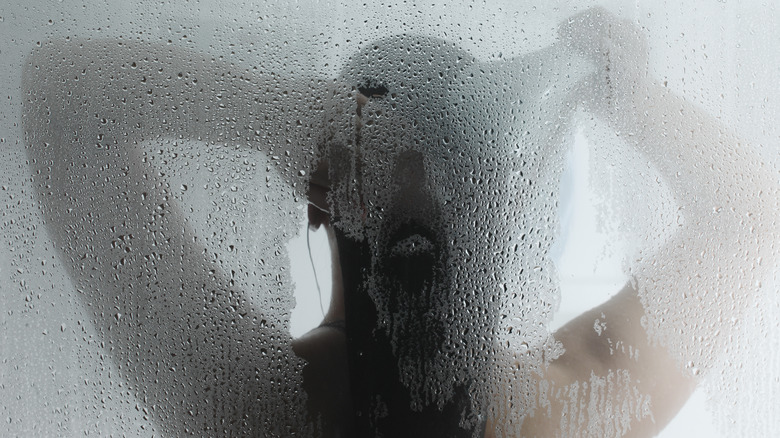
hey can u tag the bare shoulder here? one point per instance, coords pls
(326, 376)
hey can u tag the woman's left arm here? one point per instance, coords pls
(683, 301)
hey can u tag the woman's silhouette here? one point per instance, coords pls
(412, 158)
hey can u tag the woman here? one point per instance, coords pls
(432, 179)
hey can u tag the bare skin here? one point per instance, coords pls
(145, 237)
(585, 352)
(647, 107)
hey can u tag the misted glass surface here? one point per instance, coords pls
(350, 219)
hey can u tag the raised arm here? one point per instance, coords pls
(680, 308)
(726, 193)
(184, 337)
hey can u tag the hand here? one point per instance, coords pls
(618, 49)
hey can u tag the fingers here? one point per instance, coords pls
(585, 32)
(599, 34)
(618, 49)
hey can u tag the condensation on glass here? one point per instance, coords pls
(389, 219)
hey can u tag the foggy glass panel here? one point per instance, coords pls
(392, 219)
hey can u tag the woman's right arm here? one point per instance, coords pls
(183, 336)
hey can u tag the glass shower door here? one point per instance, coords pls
(390, 219)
